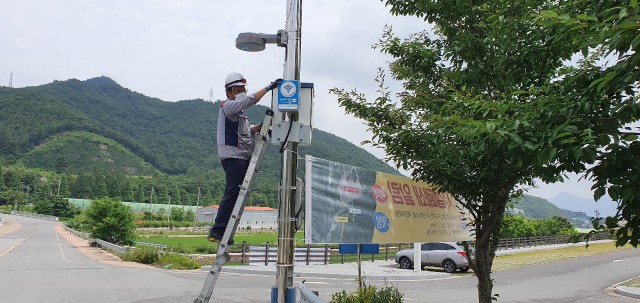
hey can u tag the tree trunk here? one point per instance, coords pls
(484, 262)
(487, 231)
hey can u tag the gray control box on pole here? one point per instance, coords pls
(302, 129)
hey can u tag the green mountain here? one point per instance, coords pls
(538, 208)
(111, 141)
(535, 207)
(98, 123)
(103, 153)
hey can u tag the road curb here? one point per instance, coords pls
(632, 292)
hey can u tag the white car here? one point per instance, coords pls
(448, 255)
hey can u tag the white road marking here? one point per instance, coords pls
(10, 249)
(60, 246)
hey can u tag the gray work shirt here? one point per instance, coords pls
(234, 131)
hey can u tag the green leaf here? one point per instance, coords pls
(549, 14)
(623, 13)
(622, 240)
(490, 127)
(599, 192)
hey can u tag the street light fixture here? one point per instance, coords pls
(256, 42)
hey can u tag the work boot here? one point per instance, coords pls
(216, 236)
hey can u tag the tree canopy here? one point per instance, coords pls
(502, 94)
(609, 31)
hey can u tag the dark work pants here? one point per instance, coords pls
(234, 170)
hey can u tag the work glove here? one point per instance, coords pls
(273, 85)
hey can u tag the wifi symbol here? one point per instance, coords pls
(288, 89)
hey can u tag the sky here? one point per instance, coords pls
(180, 50)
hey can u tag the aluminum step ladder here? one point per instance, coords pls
(222, 255)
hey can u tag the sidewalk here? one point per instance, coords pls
(378, 270)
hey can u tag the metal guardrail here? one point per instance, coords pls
(512, 243)
(113, 248)
(121, 250)
(110, 247)
(78, 233)
(265, 255)
(162, 247)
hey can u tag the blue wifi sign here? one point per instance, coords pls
(288, 95)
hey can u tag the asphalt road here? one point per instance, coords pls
(39, 265)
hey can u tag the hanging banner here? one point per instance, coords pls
(348, 204)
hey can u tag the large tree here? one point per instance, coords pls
(490, 104)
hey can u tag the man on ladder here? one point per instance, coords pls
(235, 142)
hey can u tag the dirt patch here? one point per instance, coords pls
(8, 227)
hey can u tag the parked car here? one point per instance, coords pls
(448, 255)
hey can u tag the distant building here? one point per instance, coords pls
(581, 219)
(254, 217)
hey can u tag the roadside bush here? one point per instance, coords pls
(76, 223)
(205, 249)
(369, 294)
(516, 226)
(145, 255)
(177, 261)
(110, 220)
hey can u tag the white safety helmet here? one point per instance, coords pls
(235, 79)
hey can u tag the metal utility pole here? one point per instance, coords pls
(169, 215)
(195, 215)
(290, 39)
(59, 183)
(287, 190)
(151, 199)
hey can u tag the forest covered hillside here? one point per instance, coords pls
(169, 136)
(102, 138)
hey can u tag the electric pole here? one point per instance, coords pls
(195, 215)
(286, 209)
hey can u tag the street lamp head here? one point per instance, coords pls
(253, 42)
(250, 42)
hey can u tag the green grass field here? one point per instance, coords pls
(197, 243)
(545, 256)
